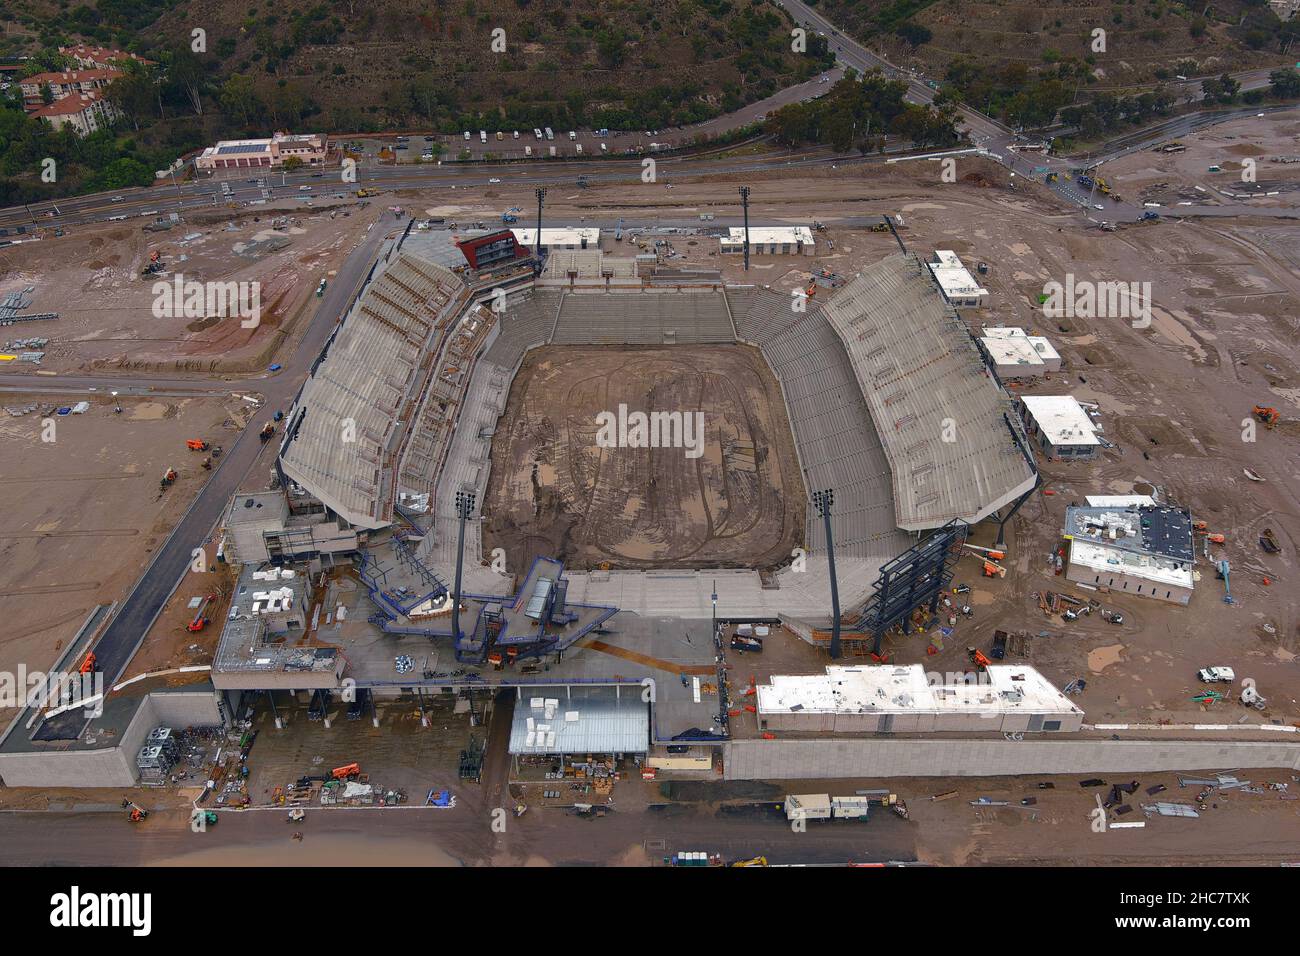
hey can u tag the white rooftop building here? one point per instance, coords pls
(586, 238)
(1015, 354)
(1061, 426)
(1134, 548)
(771, 240)
(958, 285)
(903, 699)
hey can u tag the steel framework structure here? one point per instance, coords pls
(917, 576)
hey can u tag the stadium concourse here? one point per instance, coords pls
(888, 401)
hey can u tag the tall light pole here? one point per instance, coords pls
(823, 501)
(465, 501)
(744, 202)
(540, 192)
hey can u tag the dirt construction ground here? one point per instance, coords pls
(1174, 398)
(83, 512)
(554, 491)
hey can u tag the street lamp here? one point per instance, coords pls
(540, 192)
(823, 501)
(465, 501)
(744, 202)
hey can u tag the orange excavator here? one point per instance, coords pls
(135, 813)
(90, 664)
(196, 444)
(1267, 415)
(977, 658)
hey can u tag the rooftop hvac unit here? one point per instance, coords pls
(150, 758)
(160, 735)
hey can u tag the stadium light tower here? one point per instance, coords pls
(823, 501)
(744, 203)
(465, 501)
(540, 192)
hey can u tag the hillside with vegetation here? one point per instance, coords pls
(1026, 62)
(374, 65)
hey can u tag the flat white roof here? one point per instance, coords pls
(1119, 501)
(953, 277)
(1061, 419)
(1012, 350)
(559, 237)
(1102, 559)
(888, 689)
(772, 235)
(1043, 347)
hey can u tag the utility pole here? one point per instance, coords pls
(744, 202)
(540, 192)
(464, 505)
(823, 501)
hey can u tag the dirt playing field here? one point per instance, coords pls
(729, 497)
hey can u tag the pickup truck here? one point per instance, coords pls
(1216, 675)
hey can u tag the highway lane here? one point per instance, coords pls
(137, 613)
(199, 195)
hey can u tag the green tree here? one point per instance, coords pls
(239, 98)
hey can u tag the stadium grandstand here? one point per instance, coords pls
(345, 431)
(947, 425)
(870, 380)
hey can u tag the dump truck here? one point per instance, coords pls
(267, 432)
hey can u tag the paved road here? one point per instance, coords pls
(851, 53)
(142, 606)
(398, 836)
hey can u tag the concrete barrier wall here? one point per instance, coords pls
(831, 759)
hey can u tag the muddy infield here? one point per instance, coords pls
(732, 498)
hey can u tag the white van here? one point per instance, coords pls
(467, 136)
(579, 149)
(482, 136)
(572, 135)
(537, 132)
(549, 134)
(516, 134)
(528, 151)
